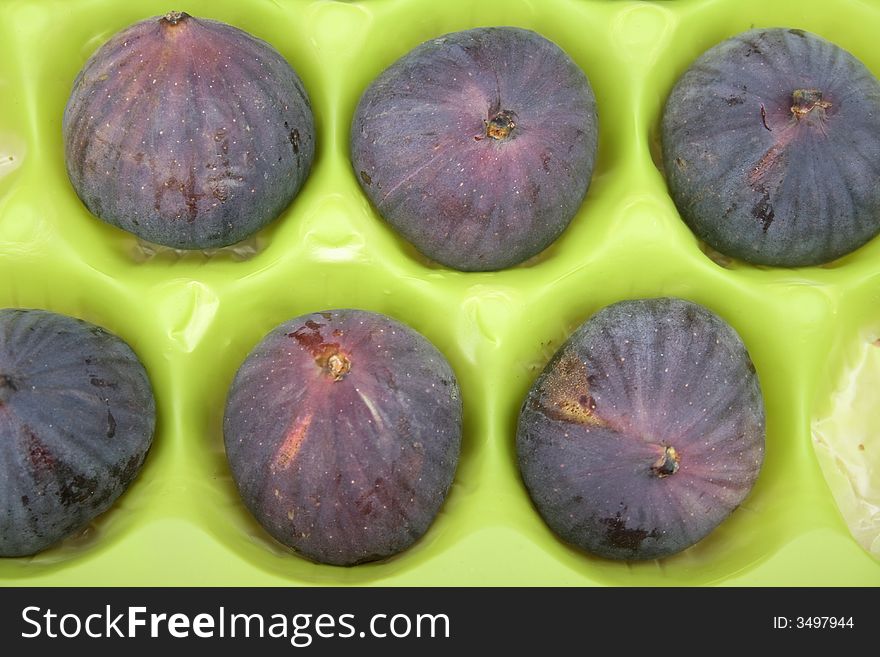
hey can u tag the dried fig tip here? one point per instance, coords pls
(174, 17)
(337, 366)
(501, 125)
(808, 102)
(667, 464)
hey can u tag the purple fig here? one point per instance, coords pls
(771, 147)
(478, 146)
(187, 132)
(645, 430)
(76, 421)
(343, 431)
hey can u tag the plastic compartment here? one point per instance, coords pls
(193, 317)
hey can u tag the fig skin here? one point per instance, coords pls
(644, 431)
(343, 431)
(76, 422)
(187, 132)
(771, 147)
(478, 146)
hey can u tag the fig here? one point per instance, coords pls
(76, 422)
(771, 147)
(187, 132)
(645, 430)
(478, 146)
(342, 431)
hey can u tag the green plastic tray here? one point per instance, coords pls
(193, 317)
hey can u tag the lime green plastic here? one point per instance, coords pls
(193, 317)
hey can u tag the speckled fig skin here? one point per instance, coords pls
(76, 422)
(187, 132)
(478, 146)
(645, 430)
(343, 431)
(771, 147)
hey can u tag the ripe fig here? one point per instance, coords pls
(771, 146)
(187, 132)
(645, 430)
(478, 146)
(343, 431)
(76, 421)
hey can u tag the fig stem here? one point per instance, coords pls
(667, 464)
(174, 17)
(808, 102)
(338, 366)
(500, 126)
